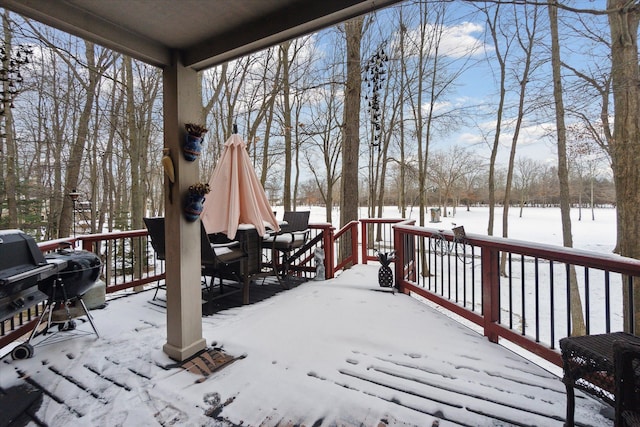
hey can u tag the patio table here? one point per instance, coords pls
(588, 365)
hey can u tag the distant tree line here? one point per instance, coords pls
(535, 185)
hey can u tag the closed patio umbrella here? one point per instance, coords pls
(236, 196)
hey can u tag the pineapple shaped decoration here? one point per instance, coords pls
(385, 275)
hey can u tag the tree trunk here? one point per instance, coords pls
(402, 192)
(351, 136)
(577, 319)
(625, 145)
(593, 213)
(72, 174)
(524, 78)
(493, 23)
(265, 146)
(349, 197)
(288, 144)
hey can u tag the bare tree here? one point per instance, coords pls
(526, 39)
(402, 195)
(525, 174)
(447, 171)
(501, 53)
(425, 46)
(324, 133)
(577, 319)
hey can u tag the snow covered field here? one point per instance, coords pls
(536, 225)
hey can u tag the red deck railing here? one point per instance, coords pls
(129, 262)
(529, 305)
(529, 302)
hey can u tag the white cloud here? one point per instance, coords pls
(457, 41)
(461, 40)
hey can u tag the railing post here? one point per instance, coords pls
(354, 243)
(87, 245)
(398, 264)
(329, 253)
(490, 292)
(363, 249)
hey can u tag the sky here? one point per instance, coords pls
(477, 87)
(342, 351)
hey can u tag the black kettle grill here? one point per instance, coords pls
(28, 278)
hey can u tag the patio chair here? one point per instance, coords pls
(217, 257)
(155, 226)
(293, 234)
(627, 382)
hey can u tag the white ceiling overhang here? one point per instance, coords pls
(205, 32)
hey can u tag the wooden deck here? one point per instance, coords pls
(385, 369)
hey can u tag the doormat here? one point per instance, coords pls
(209, 361)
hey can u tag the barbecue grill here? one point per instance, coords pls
(28, 278)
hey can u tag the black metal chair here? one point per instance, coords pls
(155, 226)
(215, 257)
(218, 256)
(626, 358)
(293, 235)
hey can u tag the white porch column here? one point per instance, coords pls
(184, 306)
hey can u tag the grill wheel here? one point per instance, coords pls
(23, 351)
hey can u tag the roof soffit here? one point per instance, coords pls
(204, 32)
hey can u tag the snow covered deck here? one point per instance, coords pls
(339, 352)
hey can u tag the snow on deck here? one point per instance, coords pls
(338, 352)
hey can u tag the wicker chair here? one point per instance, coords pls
(627, 377)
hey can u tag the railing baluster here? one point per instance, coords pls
(464, 276)
(607, 301)
(441, 255)
(523, 295)
(473, 283)
(510, 280)
(568, 269)
(537, 297)
(498, 294)
(586, 300)
(631, 312)
(449, 274)
(431, 266)
(552, 316)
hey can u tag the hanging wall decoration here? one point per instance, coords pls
(169, 170)
(375, 71)
(12, 61)
(194, 201)
(193, 144)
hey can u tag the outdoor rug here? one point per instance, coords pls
(207, 362)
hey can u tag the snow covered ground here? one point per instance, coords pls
(536, 224)
(338, 352)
